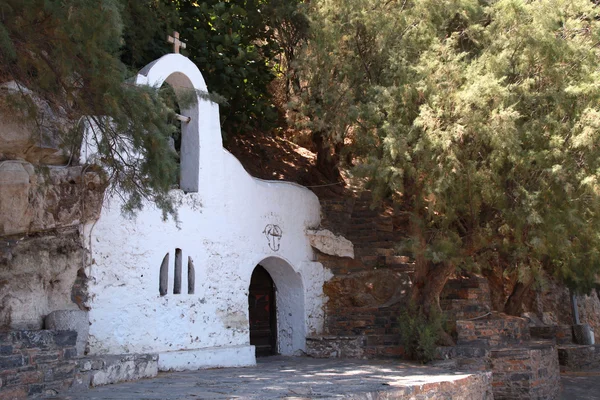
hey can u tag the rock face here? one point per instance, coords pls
(39, 142)
(37, 275)
(329, 243)
(34, 201)
(589, 312)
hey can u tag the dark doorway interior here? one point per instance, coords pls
(263, 317)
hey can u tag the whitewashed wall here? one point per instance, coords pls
(222, 229)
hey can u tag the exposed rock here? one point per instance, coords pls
(38, 142)
(15, 184)
(532, 319)
(329, 243)
(589, 312)
(36, 277)
(548, 318)
(367, 289)
(33, 201)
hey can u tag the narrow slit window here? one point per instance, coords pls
(191, 276)
(177, 275)
(163, 282)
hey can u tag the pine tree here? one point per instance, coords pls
(478, 118)
(67, 53)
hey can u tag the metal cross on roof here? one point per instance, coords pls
(176, 42)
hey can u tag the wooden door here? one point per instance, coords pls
(261, 304)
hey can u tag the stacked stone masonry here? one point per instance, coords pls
(579, 358)
(521, 368)
(465, 298)
(36, 363)
(562, 334)
(525, 372)
(494, 330)
(367, 293)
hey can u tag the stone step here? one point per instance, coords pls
(494, 331)
(373, 251)
(575, 357)
(464, 309)
(109, 369)
(526, 371)
(561, 334)
(468, 358)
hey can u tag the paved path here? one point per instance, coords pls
(580, 385)
(282, 377)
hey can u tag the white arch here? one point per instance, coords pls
(202, 135)
(289, 300)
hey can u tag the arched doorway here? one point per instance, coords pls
(262, 312)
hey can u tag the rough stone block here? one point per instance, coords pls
(330, 243)
(70, 320)
(579, 358)
(125, 368)
(583, 334)
(14, 361)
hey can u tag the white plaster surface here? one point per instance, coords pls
(216, 357)
(225, 218)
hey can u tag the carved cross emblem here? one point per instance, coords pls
(273, 234)
(176, 42)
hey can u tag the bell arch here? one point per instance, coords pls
(202, 132)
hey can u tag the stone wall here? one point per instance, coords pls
(579, 358)
(497, 330)
(525, 373)
(366, 294)
(563, 334)
(36, 363)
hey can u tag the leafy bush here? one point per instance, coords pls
(419, 332)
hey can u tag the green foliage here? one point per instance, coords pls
(67, 53)
(147, 22)
(480, 118)
(237, 44)
(419, 332)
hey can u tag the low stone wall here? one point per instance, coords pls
(467, 358)
(579, 358)
(526, 372)
(45, 363)
(472, 387)
(36, 363)
(336, 346)
(361, 347)
(499, 330)
(562, 334)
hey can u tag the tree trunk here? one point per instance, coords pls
(430, 278)
(514, 303)
(429, 284)
(327, 163)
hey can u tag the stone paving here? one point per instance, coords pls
(580, 385)
(302, 378)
